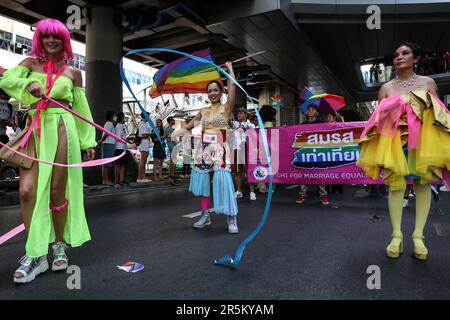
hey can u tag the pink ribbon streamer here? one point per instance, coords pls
(12, 233)
(50, 67)
(84, 119)
(85, 164)
(91, 163)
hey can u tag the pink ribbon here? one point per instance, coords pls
(42, 105)
(91, 163)
(12, 233)
(35, 123)
(84, 119)
(50, 67)
(85, 164)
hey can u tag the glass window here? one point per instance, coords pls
(78, 62)
(23, 45)
(5, 35)
(5, 40)
(375, 73)
(137, 78)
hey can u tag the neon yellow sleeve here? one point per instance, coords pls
(86, 132)
(15, 83)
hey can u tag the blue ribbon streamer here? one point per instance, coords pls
(240, 250)
(143, 111)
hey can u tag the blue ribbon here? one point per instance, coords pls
(240, 250)
(143, 111)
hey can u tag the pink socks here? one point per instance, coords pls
(206, 203)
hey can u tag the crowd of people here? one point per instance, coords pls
(429, 63)
(434, 63)
(51, 185)
(145, 141)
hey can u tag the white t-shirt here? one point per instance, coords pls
(120, 132)
(240, 135)
(109, 126)
(5, 114)
(145, 143)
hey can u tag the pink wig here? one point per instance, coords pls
(54, 27)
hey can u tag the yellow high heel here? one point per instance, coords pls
(420, 251)
(394, 248)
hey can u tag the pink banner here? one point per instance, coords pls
(324, 153)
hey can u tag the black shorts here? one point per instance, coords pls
(236, 166)
(159, 154)
(121, 160)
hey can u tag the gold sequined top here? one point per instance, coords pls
(213, 118)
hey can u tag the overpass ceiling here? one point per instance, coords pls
(286, 51)
(305, 44)
(146, 23)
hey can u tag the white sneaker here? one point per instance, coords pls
(232, 224)
(30, 268)
(238, 195)
(143, 180)
(405, 203)
(59, 254)
(204, 221)
(252, 196)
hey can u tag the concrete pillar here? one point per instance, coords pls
(103, 54)
(289, 113)
(264, 96)
(103, 82)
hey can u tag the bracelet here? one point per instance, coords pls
(60, 208)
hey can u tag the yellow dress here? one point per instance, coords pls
(417, 122)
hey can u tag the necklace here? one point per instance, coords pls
(406, 83)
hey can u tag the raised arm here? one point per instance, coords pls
(229, 105)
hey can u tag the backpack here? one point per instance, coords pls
(137, 139)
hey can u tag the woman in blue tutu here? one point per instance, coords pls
(214, 155)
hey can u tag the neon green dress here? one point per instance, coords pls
(80, 136)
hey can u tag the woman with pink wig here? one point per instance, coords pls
(51, 197)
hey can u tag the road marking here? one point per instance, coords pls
(442, 229)
(193, 215)
(292, 187)
(197, 213)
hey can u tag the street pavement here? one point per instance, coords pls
(305, 251)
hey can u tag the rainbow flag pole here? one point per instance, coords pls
(237, 60)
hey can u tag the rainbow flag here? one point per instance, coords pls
(185, 75)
